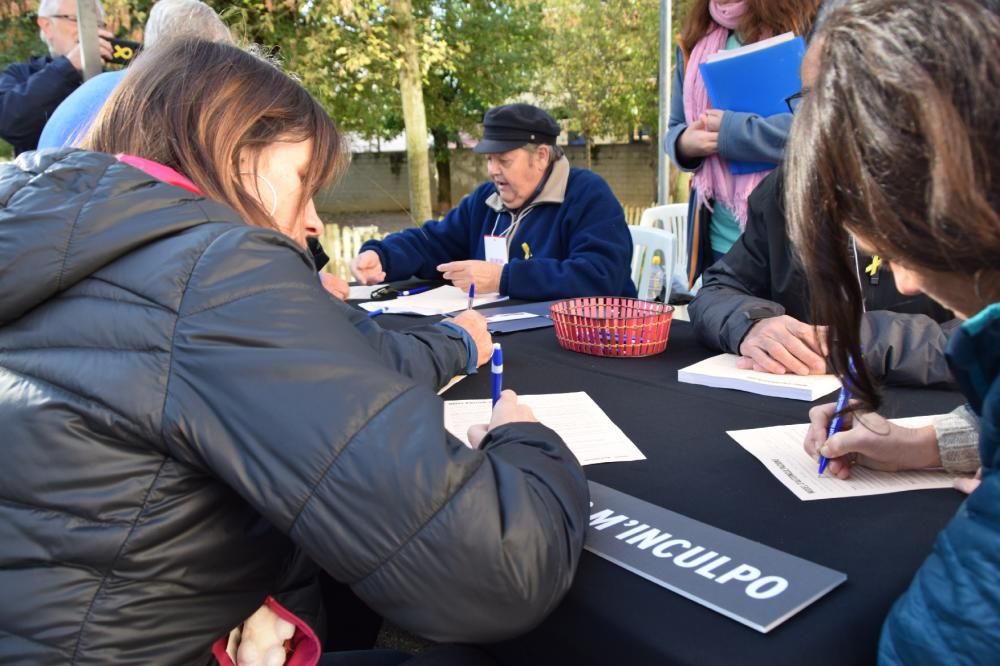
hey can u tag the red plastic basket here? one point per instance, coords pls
(612, 326)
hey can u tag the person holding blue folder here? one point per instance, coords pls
(908, 168)
(705, 140)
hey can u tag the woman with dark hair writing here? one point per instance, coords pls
(898, 146)
(182, 404)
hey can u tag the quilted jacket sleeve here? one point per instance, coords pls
(431, 355)
(736, 290)
(291, 407)
(950, 614)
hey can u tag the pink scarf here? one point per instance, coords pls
(714, 180)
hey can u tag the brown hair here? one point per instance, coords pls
(764, 18)
(198, 106)
(898, 143)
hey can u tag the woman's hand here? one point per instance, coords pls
(261, 640)
(870, 440)
(712, 119)
(696, 141)
(507, 410)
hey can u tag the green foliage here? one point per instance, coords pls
(18, 32)
(494, 54)
(602, 77)
(592, 61)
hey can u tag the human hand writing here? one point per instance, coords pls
(485, 274)
(784, 344)
(261, 639)
(869, 439)
(335, 286)
(507, 410)
(696, 141)
(475, 325)
(367, 268)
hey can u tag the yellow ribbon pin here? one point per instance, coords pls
(526, 250)
(873, 267)
(122, 52)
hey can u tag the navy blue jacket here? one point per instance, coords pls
(951, 612)
(578, 241)
(29, 93)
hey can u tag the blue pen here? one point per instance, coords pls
(375, 313)
(472, 295)
(415, 290)
(496, 369)
(838, 419)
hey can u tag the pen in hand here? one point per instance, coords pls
(496, 370)
(838, 418)
(472, 295)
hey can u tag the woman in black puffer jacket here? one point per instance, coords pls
(179, 410)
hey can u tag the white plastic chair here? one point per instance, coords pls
(673, 218)
(648, 242)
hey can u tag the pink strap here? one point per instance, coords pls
(159, 171)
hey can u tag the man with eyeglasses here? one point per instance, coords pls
(30, 91)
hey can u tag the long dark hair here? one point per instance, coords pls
(899, 144)
(198, 106)
(763, 18)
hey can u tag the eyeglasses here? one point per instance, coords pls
(101, 25)
(792, 101)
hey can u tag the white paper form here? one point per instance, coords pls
(721, 372)
(780, 450)
(583, 425)
(437, 301)
(510, 316)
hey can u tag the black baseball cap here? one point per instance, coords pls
(513, 125)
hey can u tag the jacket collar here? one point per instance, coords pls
(159, 171)
(554, 190)
(974, 355)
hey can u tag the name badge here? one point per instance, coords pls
(496, 249)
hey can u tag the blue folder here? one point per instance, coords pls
(513, 325)
(755, 82)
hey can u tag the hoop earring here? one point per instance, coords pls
(274, 192)
(975, 285)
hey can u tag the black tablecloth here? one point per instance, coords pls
(612, 616)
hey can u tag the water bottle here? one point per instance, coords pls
(657, 281)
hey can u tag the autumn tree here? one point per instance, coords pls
(603, 73)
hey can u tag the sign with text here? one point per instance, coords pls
(744, 580)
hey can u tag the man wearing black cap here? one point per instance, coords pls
(536, 230)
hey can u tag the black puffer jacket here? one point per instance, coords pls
(175, 411)
(904, 337)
